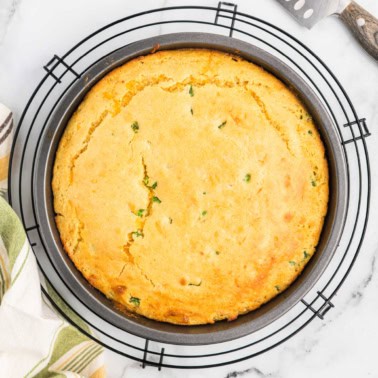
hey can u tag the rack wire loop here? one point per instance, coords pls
(226, 8)
(366, 133)
(30, 228)
(324, 308)
(146, 362)
(58, 61)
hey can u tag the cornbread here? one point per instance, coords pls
(190, 186)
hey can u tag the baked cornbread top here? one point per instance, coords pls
(190, 186)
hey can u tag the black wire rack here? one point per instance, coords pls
(62, 71)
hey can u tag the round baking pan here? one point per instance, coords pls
(164, 332)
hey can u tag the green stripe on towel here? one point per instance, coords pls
(71, 366)
(89, 359)
(11, 231)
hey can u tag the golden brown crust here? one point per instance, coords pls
(241, 193)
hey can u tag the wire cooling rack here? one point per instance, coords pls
(61, 73)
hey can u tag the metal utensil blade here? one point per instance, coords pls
(309, 12)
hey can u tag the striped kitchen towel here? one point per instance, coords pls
(34, 340)
(6, 133)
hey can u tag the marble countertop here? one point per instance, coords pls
(345, 343)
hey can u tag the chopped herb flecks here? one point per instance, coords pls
(146, 181)
(135, 127)
(223, 124)
(135, 301)
(191, 111)
(193, 284)
(170, 220)
(277, 288)
(140, 212)
(291, 262)
(204, 213)
(313, 182)
(306, 255)
(137, 233)
(247, 177)
(191, 91)
(204, 193)
(217, 252)
(310, 132)
(156, 199)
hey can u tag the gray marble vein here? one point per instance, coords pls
(7, 10)
(357, 295)
(251, 372)
(235, 374)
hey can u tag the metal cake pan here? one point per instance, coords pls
(164, 332)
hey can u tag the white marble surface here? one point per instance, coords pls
(345, 344)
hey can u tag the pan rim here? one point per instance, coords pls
(46, 155)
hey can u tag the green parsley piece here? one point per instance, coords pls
(204, 213)
(301, 116)
(247, 177)
(306, 255)
(313, 182)
(277, 288)
(191, 110)
(146, 181)
(223, 124)
(217, 252)
(293, 263)
(135, 301)
(170, 220)
(137, 233)
(197, 284)
(135, 127)
(310, 132)
(140, 212)
(191, 91)
(156, 199)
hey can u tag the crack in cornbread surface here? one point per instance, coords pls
(190, 186)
